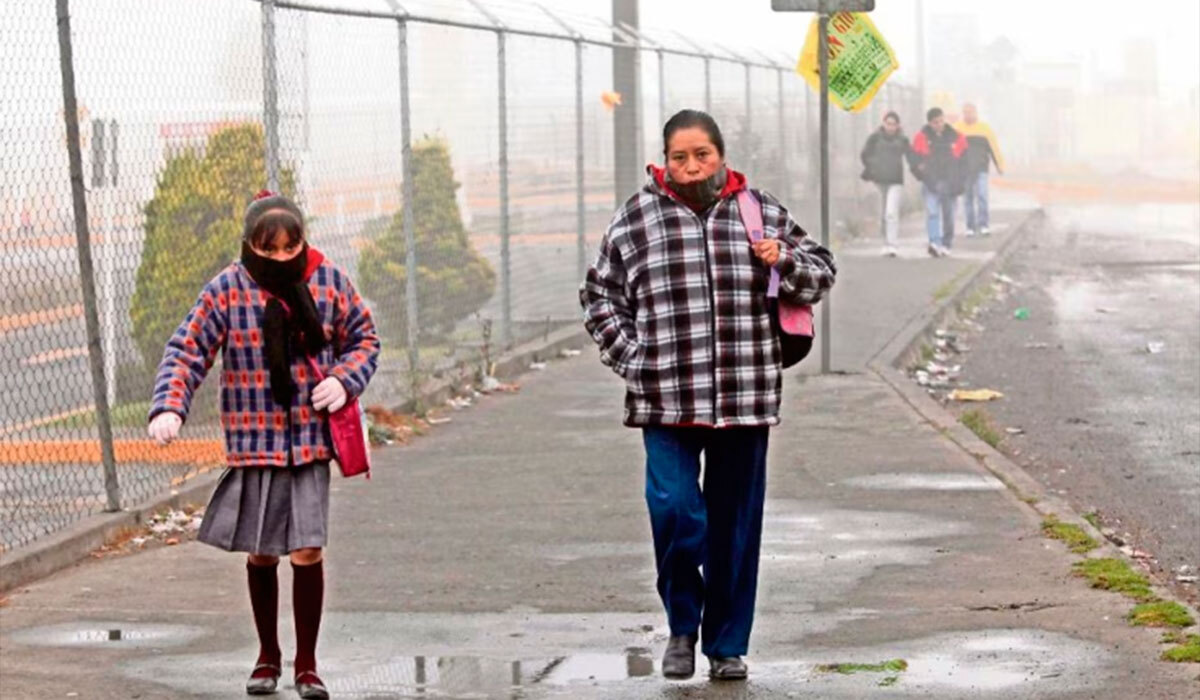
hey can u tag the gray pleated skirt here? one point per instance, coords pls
(270, 511)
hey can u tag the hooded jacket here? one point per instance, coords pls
(982, 147)
(676, 302)
(938, 158)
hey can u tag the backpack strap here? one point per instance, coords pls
(750, 210)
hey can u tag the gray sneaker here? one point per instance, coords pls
(679, 660)
(727, 669)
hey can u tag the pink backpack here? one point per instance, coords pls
(793, 323)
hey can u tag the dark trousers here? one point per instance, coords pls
(706, 542)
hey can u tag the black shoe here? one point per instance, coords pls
(263, 685)
(310, 687)
(727, 669)
(679, 661)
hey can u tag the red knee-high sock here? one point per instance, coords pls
(264, 600)
(308, 596)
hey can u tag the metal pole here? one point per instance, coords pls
(270, 95)
(823, 60)
(580, 224)
(749, 106)
(112, 490)
(505, 260)
(785, 182)
(708, 84)
(662, 89)
(921, 53)
(412, 310)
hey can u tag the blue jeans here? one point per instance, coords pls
(939, 214)
(706, 542)
(975, 201)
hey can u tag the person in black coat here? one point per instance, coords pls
(883, 159)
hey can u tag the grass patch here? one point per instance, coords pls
(1073, 536)
(1162, 613)
(1031, 500)
(926, 353)
(1188, 652)
(1093, 519)
(127, 415)
(889, 681)
(890, 666)
(1114, 575)
(981, 424)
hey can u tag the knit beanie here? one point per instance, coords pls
(264, 202)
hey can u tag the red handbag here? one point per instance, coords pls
(348, 430)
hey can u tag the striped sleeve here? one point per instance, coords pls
(358, 341)
(807, 270)
(190, 352)
(608, 313)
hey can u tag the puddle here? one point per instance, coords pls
(462, 677)
(948, 481)
(107, 634)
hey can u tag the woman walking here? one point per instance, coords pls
(677, 302)
(270, 314)
(883, 159)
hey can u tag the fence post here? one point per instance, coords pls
(785, 184)
(580, 223)
(87, 275)
(708, 84)
(662, 88)
(412, 332)
(749, 105)
(505, 260)
(270, 95)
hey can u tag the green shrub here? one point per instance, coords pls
(453, 280)
(194, 229)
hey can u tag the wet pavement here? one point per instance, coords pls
(507, 555)
(1109, 424)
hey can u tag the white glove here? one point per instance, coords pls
(330, 394)
(165, 427)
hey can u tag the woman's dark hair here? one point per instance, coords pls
(892, 115)
(933, 113)
(693, 118)
(271, 221)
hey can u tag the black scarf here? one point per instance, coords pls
(295, 319)
(701, 194)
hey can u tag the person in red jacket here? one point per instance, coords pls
(937, 161)
(267, 314)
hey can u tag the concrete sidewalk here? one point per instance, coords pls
(508, 555)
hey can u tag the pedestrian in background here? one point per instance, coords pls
(677, 302)
(938, 163)
(982, 151)
(267, 314)
(883, 159)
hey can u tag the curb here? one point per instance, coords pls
(1025, 489)
(73, 544)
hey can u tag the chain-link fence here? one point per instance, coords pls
(486, 119)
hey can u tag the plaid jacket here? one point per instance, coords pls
(677, 303)
(227, 318)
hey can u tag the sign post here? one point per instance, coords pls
(824, 8)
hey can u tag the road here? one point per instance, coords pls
(1112, 426)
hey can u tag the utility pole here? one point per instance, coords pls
(627, 118)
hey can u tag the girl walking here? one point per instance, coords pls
(282, 303)
(677, 302)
